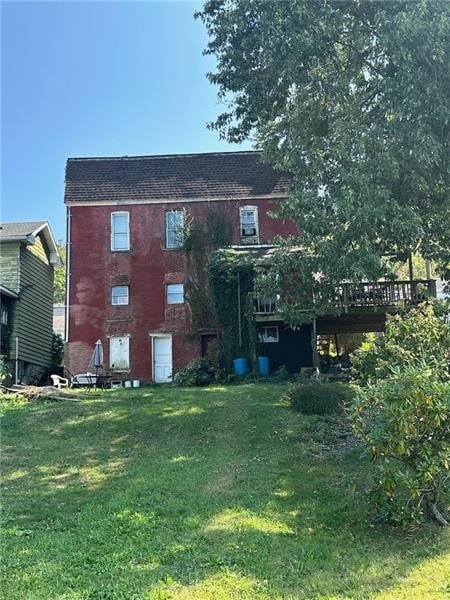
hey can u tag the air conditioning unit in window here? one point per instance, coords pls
(248, 231)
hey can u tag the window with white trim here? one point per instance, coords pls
(268, 334)
(174, 228)
(120, 231)
(119, 353)
(119, 295)
(4, 316)
(249, 229)
(175, 293)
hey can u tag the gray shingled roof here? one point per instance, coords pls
(19, 230)
(173, 177)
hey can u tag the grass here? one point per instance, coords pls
(215, 493)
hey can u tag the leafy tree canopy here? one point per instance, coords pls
(351, 97)
(59, 286)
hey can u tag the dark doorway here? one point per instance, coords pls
(208, 341)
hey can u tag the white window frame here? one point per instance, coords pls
(254, 210)
(172, 293)
(263, 337)
(179, 242)
(124, 367)
(114, 233)
(121, 299)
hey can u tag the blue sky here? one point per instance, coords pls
(97, 79)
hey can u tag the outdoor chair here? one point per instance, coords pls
(59, 382)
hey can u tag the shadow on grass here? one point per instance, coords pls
(169, 492)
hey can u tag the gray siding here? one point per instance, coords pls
(10, 265)
(33, 318)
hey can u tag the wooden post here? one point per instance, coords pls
(428, 268)
(315, 354)
(336, 344)
(410, 264)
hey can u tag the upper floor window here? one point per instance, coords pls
(119, 294)
(249, 223)
(174, 228)
(175, 293)
(120, 231)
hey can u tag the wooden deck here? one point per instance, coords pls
(378, 296)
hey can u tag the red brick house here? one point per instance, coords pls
(126, 269)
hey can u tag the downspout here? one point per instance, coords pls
(239, 309)
(16, 378)
(68, 247)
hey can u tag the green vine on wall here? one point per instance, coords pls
(200, 242)
(231, 279)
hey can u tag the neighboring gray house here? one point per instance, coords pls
(28, 255)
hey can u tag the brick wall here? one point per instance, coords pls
(146, 268)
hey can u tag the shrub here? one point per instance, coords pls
(57, 350)
(281, 374)
(201, 372)
(5, 374)
(419, 336)
(319, 398)
(35, 375)
(405, 423)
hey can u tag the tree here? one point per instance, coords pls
(352, 98)
(59, 286)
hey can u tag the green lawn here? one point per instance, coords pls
(197, 493)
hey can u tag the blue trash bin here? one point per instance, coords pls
(263, 365)
(240, 366)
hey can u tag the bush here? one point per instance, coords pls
(201, 372)
(35, 375)
(57, 350)
(420, 336)
(319, 398)
(281, 374)
(405, 423)
(5, 374)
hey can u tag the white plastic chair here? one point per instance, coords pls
(59, 382)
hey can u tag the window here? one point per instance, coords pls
(119, 294)
(249, 222)
(174, 228)
(4, 316)
(175, 293)
(120, 231)
(268, 334)
(119, 353)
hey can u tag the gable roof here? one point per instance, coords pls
(21, 230)
(173, 177)
(27, 231)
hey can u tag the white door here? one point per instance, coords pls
(162, 359)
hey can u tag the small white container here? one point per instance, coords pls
(136, 383)
(127, 384)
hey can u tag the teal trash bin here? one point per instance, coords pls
(240, 366)
(263, 365)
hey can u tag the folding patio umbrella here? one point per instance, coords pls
(97, 356)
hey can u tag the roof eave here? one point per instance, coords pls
(7, 292)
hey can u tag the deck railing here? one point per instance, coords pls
(369, 294)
